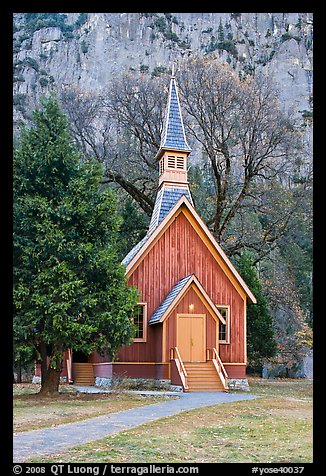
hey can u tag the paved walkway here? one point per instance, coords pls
(63, 437)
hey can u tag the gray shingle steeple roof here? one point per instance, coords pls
(166, 198)
(173, 136)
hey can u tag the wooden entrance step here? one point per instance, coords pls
(202, 377)
(83, 374)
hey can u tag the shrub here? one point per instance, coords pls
(208, 30)
(19, 78)
(19, 99)
(81, 20)
(36, 21)
(143, 68)
(286, 36)
(43, 82)
(84, 47)
(158, 70)
(160, 24)
(306, 113)
(32, 63)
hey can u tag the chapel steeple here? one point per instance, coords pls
(172, 156)
(174, 148)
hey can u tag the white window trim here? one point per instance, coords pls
(227, 320)
(144, 338)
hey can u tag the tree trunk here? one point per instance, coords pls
(44, 365)
(19, 373)
(50, 384)
(51, 380)
(141, 198)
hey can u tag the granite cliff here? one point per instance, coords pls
(87, 50)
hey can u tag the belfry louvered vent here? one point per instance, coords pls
(171, 162)
(175, 162)
(180, 163)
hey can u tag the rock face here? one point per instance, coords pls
(303, 369)
(88, 50)
(307, 366)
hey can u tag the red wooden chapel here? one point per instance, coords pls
(191, 318)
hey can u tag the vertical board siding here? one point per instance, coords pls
(179, 252)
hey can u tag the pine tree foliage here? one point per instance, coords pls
(261, 344)
(70, 290)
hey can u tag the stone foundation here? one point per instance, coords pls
(156, 384)
(103, 382)
(37, 379)
(163, 384)
(138, 383)
(238, 384)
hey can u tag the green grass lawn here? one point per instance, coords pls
(31, 411)
(274, 428)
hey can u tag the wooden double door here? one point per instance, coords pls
(191, 337)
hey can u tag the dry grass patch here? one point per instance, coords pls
(32, 411)
(301, 389)
(269, 429)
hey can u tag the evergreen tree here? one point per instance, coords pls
(220, 30)
(261, 343)
(70, 290)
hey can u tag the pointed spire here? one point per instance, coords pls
(173, 135)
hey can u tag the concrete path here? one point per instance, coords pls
(63, 437)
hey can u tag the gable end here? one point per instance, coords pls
(183, 205)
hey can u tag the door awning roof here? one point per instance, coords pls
(176, 294)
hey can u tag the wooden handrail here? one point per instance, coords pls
(175, 355)
(219, 368)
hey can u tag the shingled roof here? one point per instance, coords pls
(156, 316)
(175, 295)
(173, 135)
(166, 198)
(126, 260)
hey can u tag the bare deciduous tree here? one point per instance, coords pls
(245, 136)
(121, 128)
(246, 144)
